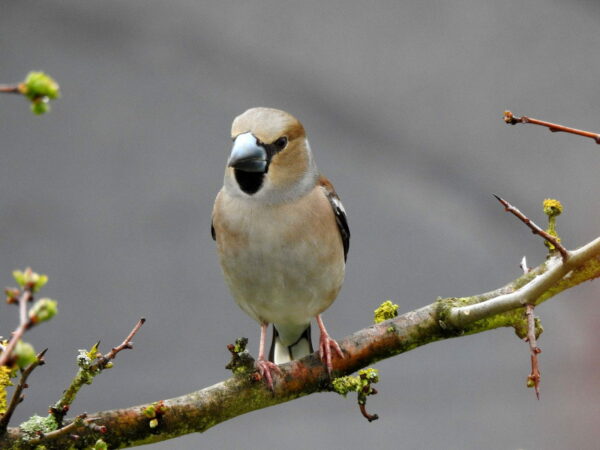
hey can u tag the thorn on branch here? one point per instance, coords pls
(510, 119)
(534, 378)
(534, 228)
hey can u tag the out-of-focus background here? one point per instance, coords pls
(111, 196)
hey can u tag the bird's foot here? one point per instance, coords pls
(265, 369)
(326, 345)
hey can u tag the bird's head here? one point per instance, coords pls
(271, 158)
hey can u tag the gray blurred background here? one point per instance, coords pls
(111, 196)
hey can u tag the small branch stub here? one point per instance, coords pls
(241, 363)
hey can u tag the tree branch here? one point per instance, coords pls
(446, 318)
(551, 277)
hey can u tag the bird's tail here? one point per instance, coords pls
(281, 353)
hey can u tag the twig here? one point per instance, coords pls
(24, 324)
(85, 375)
(16, 397)
(366, 415)
(368, 390)
(510, 119)
(126, 344)
(10, 89)
(534, 228)
(534, 378)
(53, 435)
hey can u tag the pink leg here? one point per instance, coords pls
(326, 343)
(264, 366)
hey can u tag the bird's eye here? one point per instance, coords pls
(280, 143)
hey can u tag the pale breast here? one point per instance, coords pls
(282, 263)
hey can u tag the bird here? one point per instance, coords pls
(282, 236)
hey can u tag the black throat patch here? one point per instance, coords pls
(249, 182)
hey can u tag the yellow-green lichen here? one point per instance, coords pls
(37, 424)
(387, 310)
(351, 383)
(4, 383)
(552, 207)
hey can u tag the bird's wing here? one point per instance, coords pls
(338, 211)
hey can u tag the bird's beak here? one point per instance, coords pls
(247, 155)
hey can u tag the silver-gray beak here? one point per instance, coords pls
(247, 155)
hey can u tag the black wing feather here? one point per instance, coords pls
(340, 219)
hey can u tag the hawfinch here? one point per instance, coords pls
(282, 235)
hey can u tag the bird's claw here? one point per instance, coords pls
(326, 344)
(265, 369)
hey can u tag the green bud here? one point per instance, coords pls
(40, 106)
(19, 277)
(25, 354)
(42, 310)
(38, 84)
(29, 278)
(12, 295)
(150, 412)
(100, 445)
